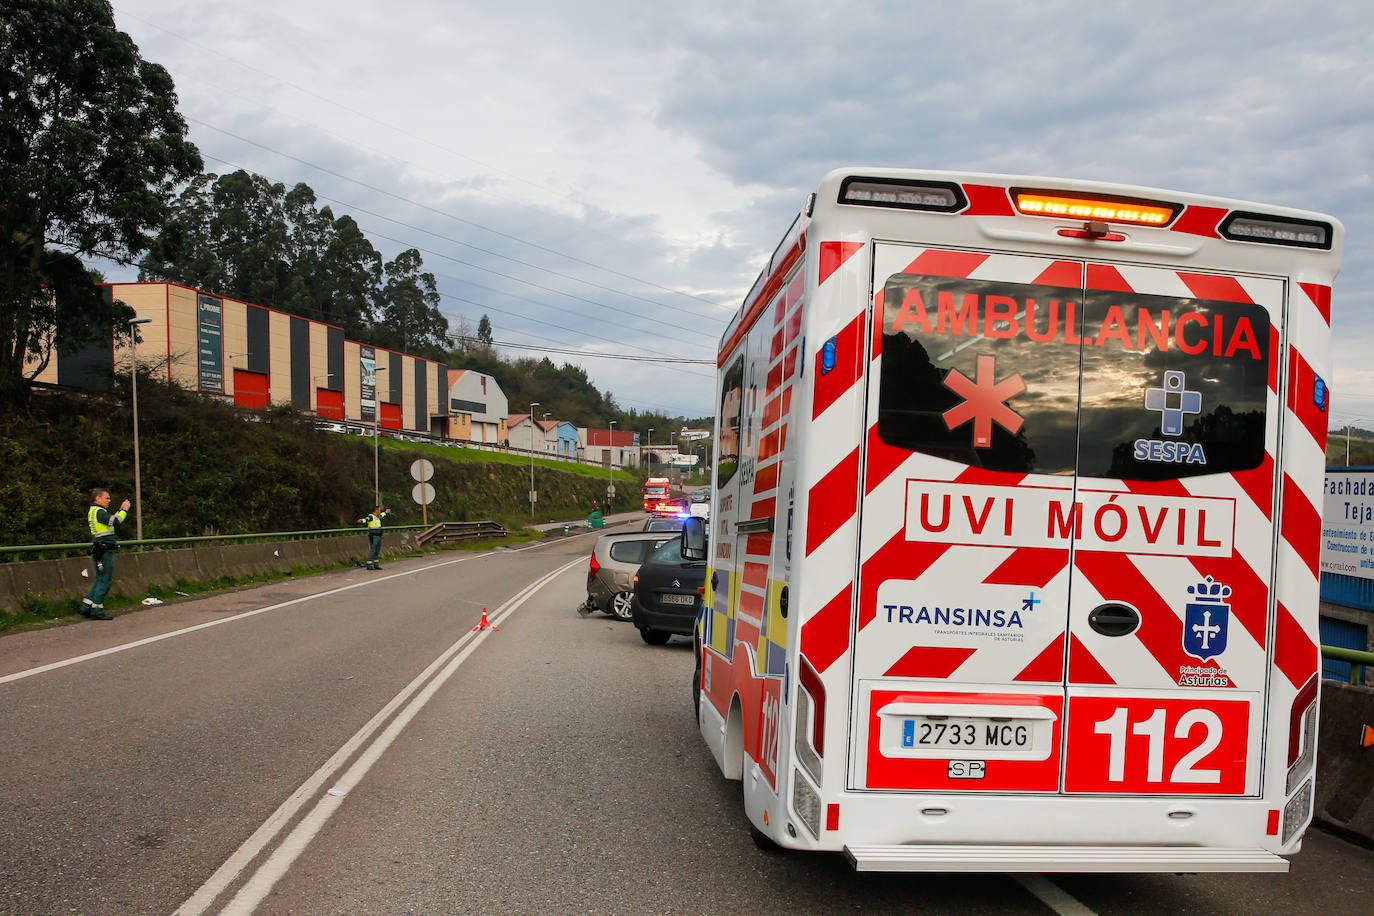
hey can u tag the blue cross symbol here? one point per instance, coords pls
(1160, 399)
(1028, 604)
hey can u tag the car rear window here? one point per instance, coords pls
(629, 551)
(670, 552)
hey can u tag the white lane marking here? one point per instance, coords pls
(1054, 896)
(260, 883)
(30, 672)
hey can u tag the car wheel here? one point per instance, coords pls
(619, 605)
(654, 637)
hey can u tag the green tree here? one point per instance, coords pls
(243, 236)
(484, 331)
(91, 151)
(410, 307)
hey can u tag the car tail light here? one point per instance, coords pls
(593, 568)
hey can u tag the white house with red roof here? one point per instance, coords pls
(601, 446)
(477, 407)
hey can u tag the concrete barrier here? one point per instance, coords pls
(1345, 771)
(137, 571)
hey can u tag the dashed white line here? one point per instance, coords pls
(1054, 896)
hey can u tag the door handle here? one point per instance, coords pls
(1113, 619)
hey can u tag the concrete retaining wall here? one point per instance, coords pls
(1345, 771)
(136, 571)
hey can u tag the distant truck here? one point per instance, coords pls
(655, 491)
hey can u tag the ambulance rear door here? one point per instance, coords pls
(1170, 599)
(962, 618)
(1066, 537)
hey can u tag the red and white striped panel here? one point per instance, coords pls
(828, 474)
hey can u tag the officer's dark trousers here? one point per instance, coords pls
(375, 545)
(104, 575)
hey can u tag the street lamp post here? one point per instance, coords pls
(610, 463)
(376, 423)
(651, 451)
(533, 404)
(133, 383)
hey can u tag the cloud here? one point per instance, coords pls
(671, 145)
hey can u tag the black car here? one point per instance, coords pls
(667, 594)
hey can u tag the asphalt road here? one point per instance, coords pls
(346, 744)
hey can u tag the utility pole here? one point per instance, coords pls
(533, 404)
(133, 383)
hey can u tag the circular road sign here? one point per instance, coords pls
(422, 493)
(422, 470)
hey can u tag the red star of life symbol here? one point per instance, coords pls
(984, 401)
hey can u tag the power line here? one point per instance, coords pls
(402, 131)
(458, 219)
(594, 355)
(456, 260)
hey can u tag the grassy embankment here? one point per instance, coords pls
(206, 469)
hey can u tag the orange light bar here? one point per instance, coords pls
(1113, 210)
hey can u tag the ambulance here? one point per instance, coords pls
(1013, 560)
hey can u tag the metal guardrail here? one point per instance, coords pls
(1359, 661)
(160, 543)
(449, 532)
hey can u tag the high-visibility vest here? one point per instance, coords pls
(98, 528)
(375, 521)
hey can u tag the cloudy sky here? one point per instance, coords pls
(602, 179)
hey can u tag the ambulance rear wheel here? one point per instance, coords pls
(762, 840)
(696, 675)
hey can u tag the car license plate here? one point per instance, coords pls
(688, 600)
(968, 733)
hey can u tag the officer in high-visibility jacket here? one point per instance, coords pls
(373, 522)
(104, 542)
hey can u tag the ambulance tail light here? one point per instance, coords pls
(903, 194)
(1298, 812)
(1101, 207)
(1276, 230)
(806, 802)
(1302, 735)
(810, 743)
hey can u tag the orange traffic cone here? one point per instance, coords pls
(485, 624)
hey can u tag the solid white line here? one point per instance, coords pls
(1053, 896)
(260, 883)
(30, 672)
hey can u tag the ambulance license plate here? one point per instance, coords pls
(967, 733)
(678, 599)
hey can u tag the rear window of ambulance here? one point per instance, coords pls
(987, 373)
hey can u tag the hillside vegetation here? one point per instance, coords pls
(207, 468)
(1359, 446)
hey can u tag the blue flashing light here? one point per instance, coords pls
(828, 356)
(1319, 392)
